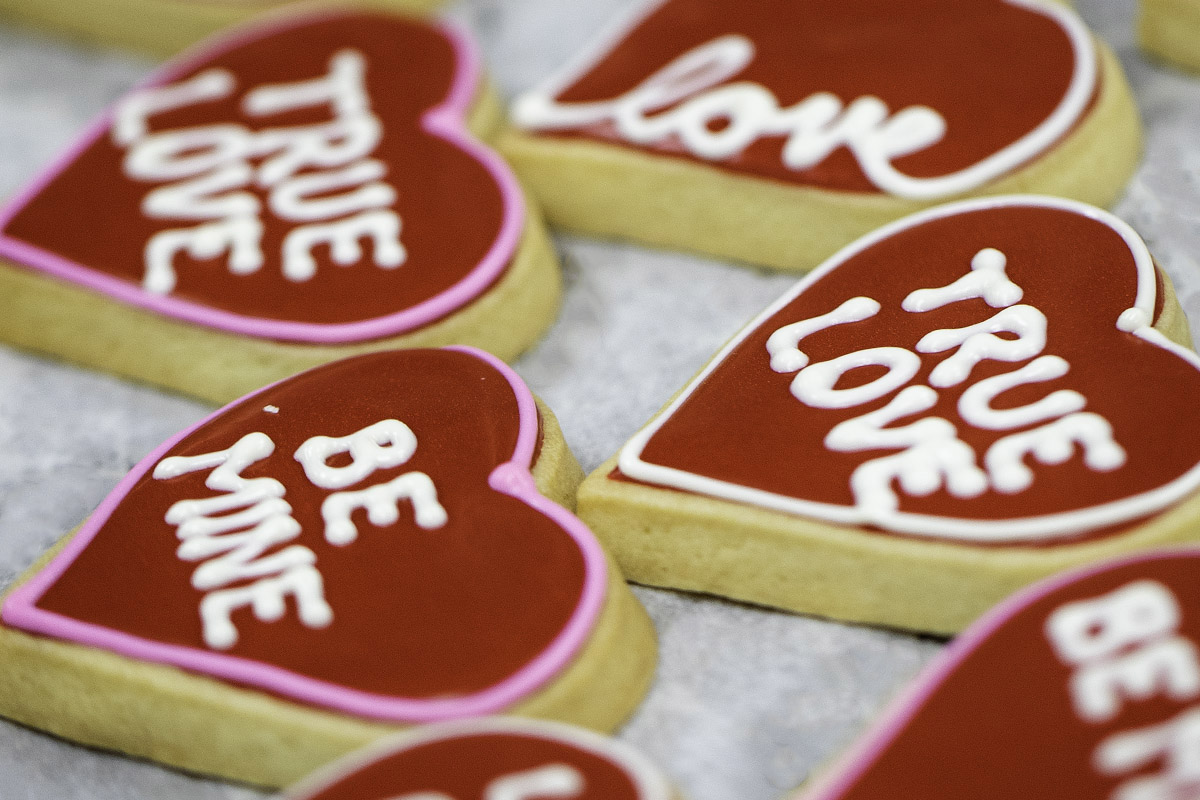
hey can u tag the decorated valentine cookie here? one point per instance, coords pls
(1085, 686)
(491, 759)
(1170, 30)
(364, 546)
(162, 26)
(951, 407)
(291, 194)
(774, 132)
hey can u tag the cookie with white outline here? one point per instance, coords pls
(370, 545)
(292, 193)
(775, 132)
(491, 759)
(961, 403)
(163, 27)
(1084, 686)
(1170, 30)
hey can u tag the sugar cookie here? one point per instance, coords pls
(950, 408)
(289, 195)
(1087, 685)
(362, 547)
(774, 132)
(1170, 30)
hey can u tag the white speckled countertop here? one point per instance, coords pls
(746, 702)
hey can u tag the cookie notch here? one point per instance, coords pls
(208, 712)
(668, 527)
(722, 209)
(207, 340)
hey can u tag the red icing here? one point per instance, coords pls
(742, 424)
(994, 70)
(995, 718)
(462, 767)
(450, 206)
(417, 613)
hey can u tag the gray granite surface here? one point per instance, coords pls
(747, 702)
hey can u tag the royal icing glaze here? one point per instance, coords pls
(491, 759)
(1087, 685)
(375, 545)
(923, 99)
(307, 180)
(985, 372)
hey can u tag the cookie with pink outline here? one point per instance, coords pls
(1084, 686)
(365, 537)
(310, 179)
(494, 759)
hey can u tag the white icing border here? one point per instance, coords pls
(1136, 320)
(648, 780)
(526, 108)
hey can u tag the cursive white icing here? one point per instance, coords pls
(814, 127)
(318, 175)
(1048, 526)
(683, 97)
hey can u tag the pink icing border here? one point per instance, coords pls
(446, 121)
(856, 761)
(511, 478)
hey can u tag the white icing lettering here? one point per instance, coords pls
(380, 502)
(343, 238)
(979, 342)
(816, 384)
(266, 598)
(388, 443)
(238, 236)
(986, 280)
(130, 123)
(814, 127)
(975, 404)
(784, 344)
(296, 198)
(551, 781)
(932, 457)
(207, 532)
(1099, 628)
(1053, 443)
(1124, 647)
(1176, 742)
(209, 170)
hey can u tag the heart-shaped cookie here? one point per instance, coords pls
(959, 401)
(491, 759)
(1086, 686)
(858, 107)
(300, 190)
(365, 538)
